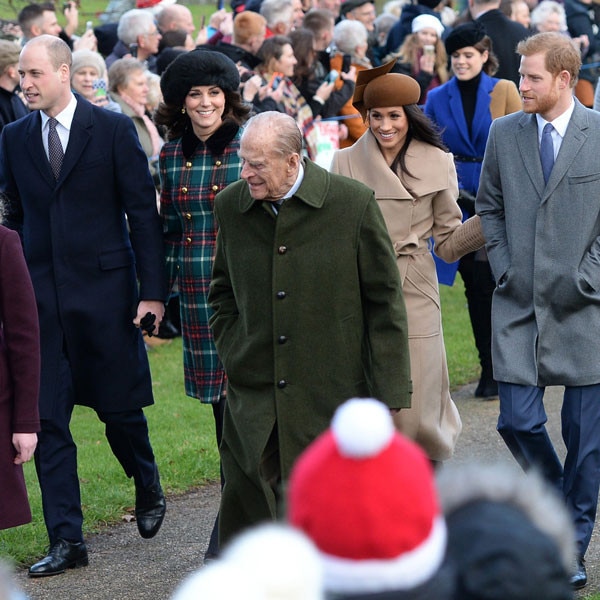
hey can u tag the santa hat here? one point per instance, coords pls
(366, 497)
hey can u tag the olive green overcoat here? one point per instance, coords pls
(308, 312)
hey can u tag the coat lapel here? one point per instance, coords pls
(457, 113)
(482, 119)
(527, 142)
(79, 136)
(575, 137)
(35, 148)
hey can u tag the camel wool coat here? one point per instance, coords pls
(308, 312)
(430, 211)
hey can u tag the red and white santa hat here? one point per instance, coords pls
(366, 496)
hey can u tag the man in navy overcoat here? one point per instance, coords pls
(93, 245)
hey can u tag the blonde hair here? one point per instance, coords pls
(409, 52)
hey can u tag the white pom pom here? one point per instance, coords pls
(362, 427)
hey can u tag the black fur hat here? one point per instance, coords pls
(198, 67)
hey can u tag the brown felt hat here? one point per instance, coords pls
(378, 87)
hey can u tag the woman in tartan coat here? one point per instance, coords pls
(203, 113)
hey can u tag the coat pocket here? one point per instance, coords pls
(116, 259)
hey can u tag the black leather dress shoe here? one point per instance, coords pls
(150, 508)
(579, 578)
(63, 555)
(486, 388)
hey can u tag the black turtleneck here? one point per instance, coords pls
(468, 94)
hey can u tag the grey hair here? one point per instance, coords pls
(134, 23)
(287, 137)
(120, 72)
(546, 8)
(528, 492)
(277, 11)
(348, 34)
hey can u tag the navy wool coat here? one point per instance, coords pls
(84, 255)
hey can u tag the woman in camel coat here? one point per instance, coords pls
(403, 160)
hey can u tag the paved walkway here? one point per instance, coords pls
(123, 566)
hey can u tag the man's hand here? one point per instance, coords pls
(24, 444)
(154, 307)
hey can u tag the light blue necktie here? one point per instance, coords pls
(547, 151)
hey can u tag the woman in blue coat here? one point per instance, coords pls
(463, 108)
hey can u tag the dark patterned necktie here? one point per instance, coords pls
(55, 150)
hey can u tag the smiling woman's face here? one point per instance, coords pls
(205, 105)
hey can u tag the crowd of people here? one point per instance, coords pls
(285, 188)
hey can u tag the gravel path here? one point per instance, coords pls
(123, 566)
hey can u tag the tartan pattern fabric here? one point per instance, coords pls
(189, 187)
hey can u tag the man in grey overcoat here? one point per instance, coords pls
(308, 308)
(539, 202)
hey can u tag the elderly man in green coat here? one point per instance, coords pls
(308, 312)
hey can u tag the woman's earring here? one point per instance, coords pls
(183, 111)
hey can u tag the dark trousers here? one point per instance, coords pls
(522, 426)
(479, 288)
(218, 410)
(56, 459)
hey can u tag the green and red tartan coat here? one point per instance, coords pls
(192, 173)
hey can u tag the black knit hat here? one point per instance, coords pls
(198, 67)
(467, 34)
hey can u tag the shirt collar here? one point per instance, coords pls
(560, 124)
(297, 184)
(65, 117)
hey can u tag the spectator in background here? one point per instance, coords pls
(321, 22)
(175, 17)
(249, 31)
(39, 19)
(422, 55)
(128, 86)
(279, 15)
(278, 91)
(404, 25)
(504, 33)
(19, 378)
(365, 495)
(364, 12)
(139, 36)
(333, 6)
(323, 100)
(549, 15)
(350, 39)
(517, 10)
(509, 535)
(89, 78)
(12, 106)
(329, 285)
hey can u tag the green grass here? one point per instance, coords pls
(182, 434)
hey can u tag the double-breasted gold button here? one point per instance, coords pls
(184, 190)
(215, 188)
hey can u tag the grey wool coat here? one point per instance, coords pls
(308, 312)
(544, 248)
